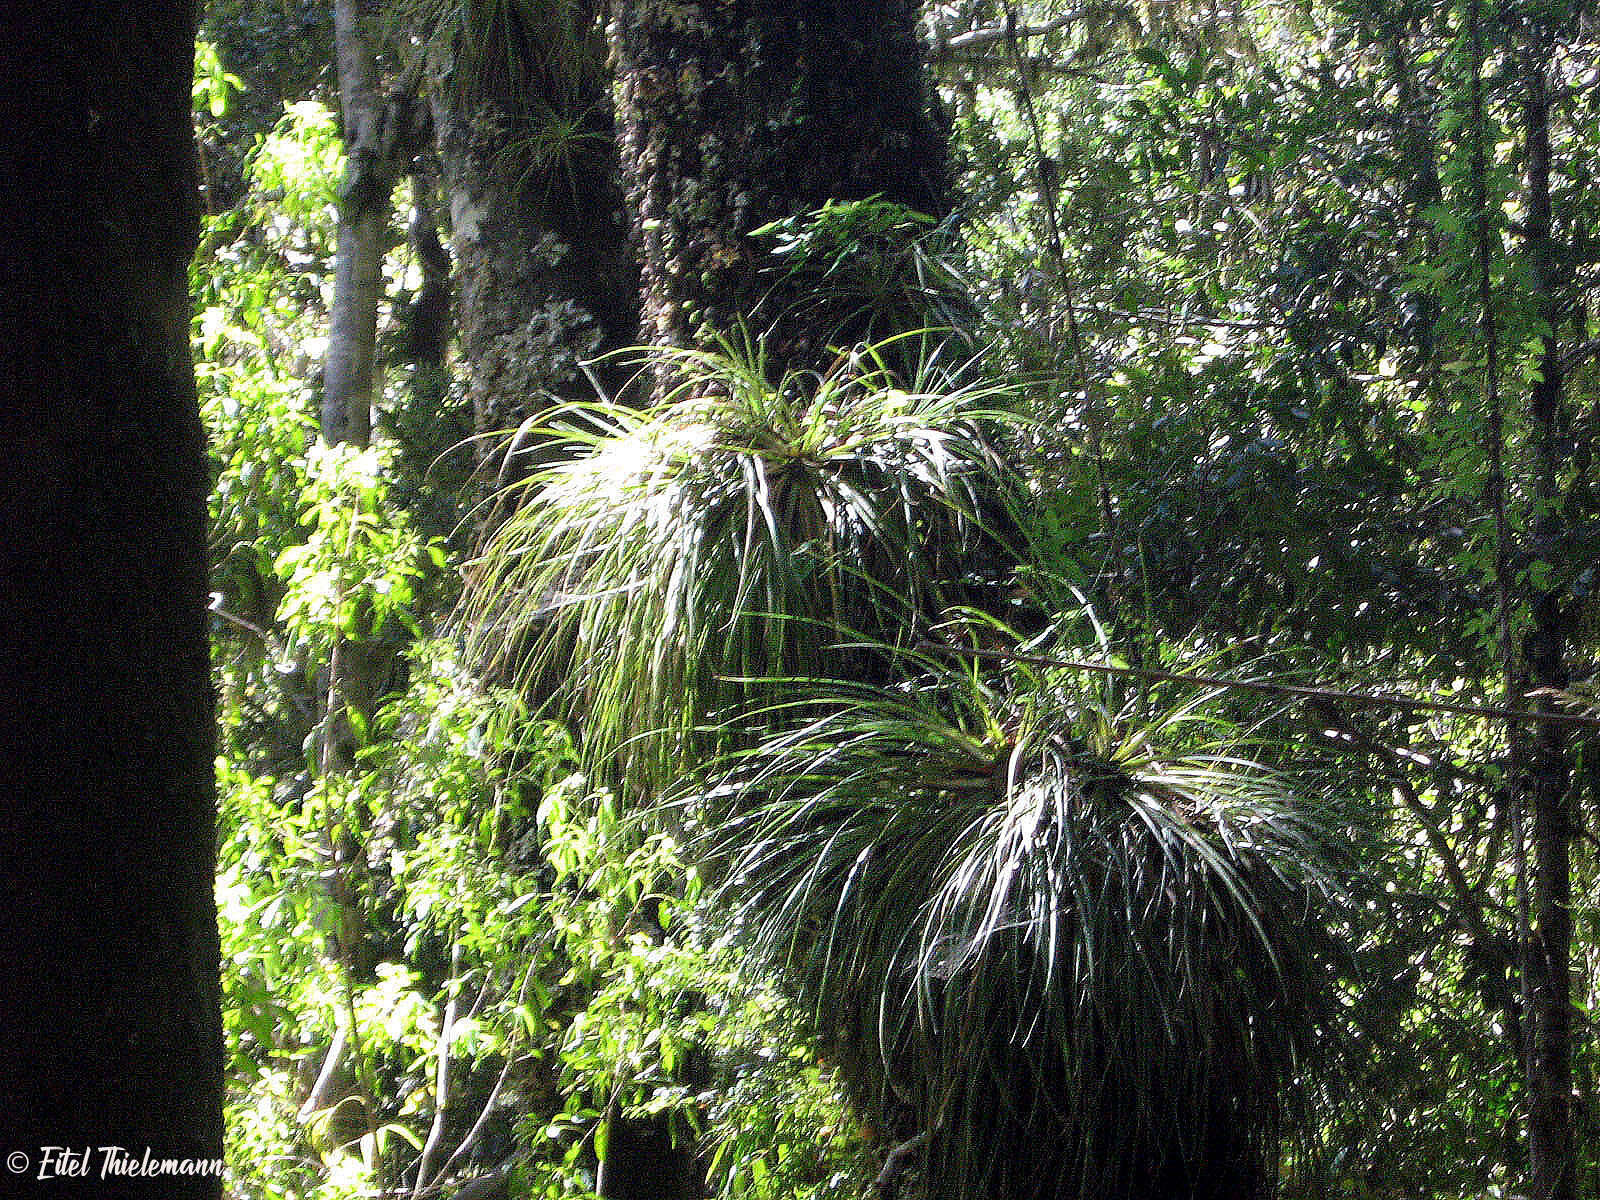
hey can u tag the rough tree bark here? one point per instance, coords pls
(521, 107)
(110, 1021)
(736, 114)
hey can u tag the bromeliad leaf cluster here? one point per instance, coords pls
(738, 532)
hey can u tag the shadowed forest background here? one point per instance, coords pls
(676, 469)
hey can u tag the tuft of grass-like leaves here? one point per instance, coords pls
(671, 559)
(1072, 936)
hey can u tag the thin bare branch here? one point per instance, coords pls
(1274, 688)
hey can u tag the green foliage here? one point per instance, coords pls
(299, 166)
(1270, 242)
(459, 912)
(874, 266)
(672, 1025)
(500, 879)
(254, 57)
(213, 86)
(360, 564)
(459, 862)
(1127, 897)
(258, 286)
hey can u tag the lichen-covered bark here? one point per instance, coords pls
(522, 124)
(109, 1019)
(735, 113)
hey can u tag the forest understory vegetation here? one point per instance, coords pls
(717, 716)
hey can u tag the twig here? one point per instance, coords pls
(276, 648)
(441, 1085)
(984, 35)
(1178, 319)
(471, 1137)
(1091, 403)
(1469, 907)
(1272, 687)
(894, 1165)
(318, 1099)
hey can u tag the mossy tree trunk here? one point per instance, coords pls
(732, 114)
(735, 114)
(110, 1021)
(522, 123)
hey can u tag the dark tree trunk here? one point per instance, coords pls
(737, 114)
(522, 124)
(1552, 1149)
(427, 320)
(109, 1018)
(644, 1162)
